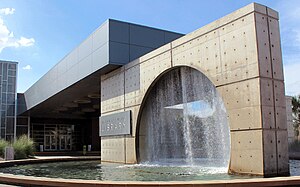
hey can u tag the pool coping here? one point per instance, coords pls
(44, 181)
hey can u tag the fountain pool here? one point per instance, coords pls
(94, 170)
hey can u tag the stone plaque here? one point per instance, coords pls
(115, 124)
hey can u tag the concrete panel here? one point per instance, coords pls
(113, 149)
(112, 91)
(240, 94)
(130, 150)
(268, 118)
(118, 53)
(118, 31)
(281, 121)
(262, 34)
(272, 13)
(266, 90)
(270, 152)
(282, 152)
(134, 115)
(132, 86)
(275, 47)
(246, 152)
(152, 54)
(146, 36)
(245, 118)
(156, 66)
(221, 22)
(279, 94)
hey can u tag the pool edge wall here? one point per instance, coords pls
(241, 55)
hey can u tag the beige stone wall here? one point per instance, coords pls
(240, 53)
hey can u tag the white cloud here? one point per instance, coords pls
(7, 11)
(27, 67)
(26, 42)
(7, 38)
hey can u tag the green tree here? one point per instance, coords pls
(296, 114)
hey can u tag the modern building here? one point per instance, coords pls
(153, 89)
(8, 79)
(61, 110)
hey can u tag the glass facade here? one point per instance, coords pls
(8, 77)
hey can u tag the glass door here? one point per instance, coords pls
(65, 142)
(50, 143)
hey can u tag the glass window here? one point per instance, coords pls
(3, 107)
(12, 66)
(11, 72)
(3, 97)
(10, 98)
(4, 86)
(11, 88)
(4, 71)
(11, 80)
(10, 110)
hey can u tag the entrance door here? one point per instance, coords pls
(50, 143)
(65, 142)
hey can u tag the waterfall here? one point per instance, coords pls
(184, 122)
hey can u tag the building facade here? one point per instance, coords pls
(8, 79)
(122, 72)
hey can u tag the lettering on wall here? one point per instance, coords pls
(115, 124)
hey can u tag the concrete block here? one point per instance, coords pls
(134, 118)
(236, 15)
(263, 45)
(130, 150)
(113, 149)
(279, 94)
(112, 91)
(272, 13)
(268, 118)
(275, 47)
(266, 92)
(155, 52)
(282, 152)
(246, 152)
(245, 118)
(281, 121)
(270, 152)
(241, 94)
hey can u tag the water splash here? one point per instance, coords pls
(184, 120)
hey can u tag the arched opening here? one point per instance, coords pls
(183, 121)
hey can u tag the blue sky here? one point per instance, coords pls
(44, 31)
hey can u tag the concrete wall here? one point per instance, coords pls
(240, 53)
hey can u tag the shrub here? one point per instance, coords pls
(3, 144)
(23, 147)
